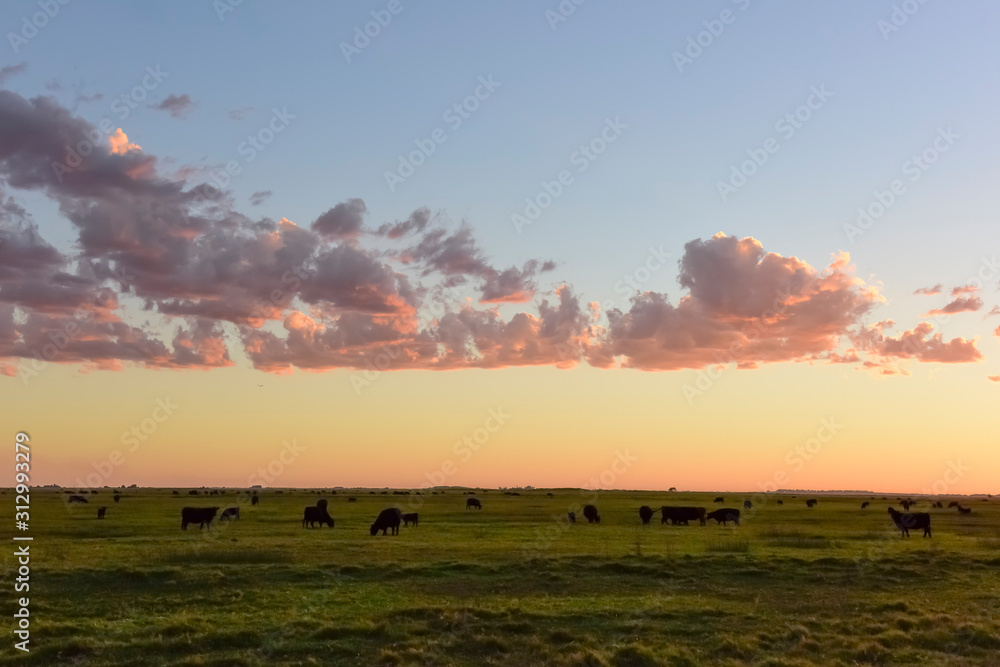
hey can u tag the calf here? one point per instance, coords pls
(101, 511)
(200, 515)
(410, 518)
(864, 505)
(572, 517)
(747, 505)
(645, 514)
(915, 520)
(230, 514)
(725, 515)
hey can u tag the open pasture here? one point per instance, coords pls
(512, 584)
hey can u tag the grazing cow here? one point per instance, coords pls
(953, 503)
(724, 515)
(193, 492)
(254, 500)
(316, 514)
(572, 517)
(550, 495)
(747, 505)
(720, 499)
(964, 510)
(352, 500)
(590, 512)
(410, 518)
(864, 505)
(681, 515)
(78, 499)
(811, 502)
(915, 520)
(387, 519)
(117, 498)
(781, 502)
(101, 511)
(176, 493)
(200, 515)
(230, 514)
(645, 513)
(473, 502)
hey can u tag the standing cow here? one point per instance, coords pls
(388, 519)
(906, 521)
(473, 502)
(200, 515)
(747, 505)
(590, 512)
(101, 511)
(682, 515)
(412, 517)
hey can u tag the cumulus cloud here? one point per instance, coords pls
(315, 297)
(958, 305)
(176, 105)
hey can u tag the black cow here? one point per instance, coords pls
(101, 511)
(352, 500)
(254, 500)
(724, 515)
(473, 502)
(316, 514)
(645, 513)
(906, 504)
(811, 502)
(720, 499)
(410, 518)
(864, 505)
(964, 510)
(590, 512)
(230, 514)
(387, 519)
(915, 520)
(176, 493)
(200, 515)
(747, 505)
(78, 499)
(953, 503)
(572, 517)
(681, 515)
(781, 502)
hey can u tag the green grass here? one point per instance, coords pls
(513, 584)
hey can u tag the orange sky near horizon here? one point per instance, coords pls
(582, 427)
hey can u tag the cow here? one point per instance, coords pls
(473, 502)
(590, 512)
(964, 510)
(387, 519)
(316, 514)
(681, 515)
(724, 515)
(254, 500)
(915, 520)
(572, 517)
(864, 505)
(78, 499)
(176, 493)
(747, 505)
(117, 498)
(906, 504)
(720, 499)
(410, 518)
(230, 514)
(953, 503)
(200, 515)
(101, 511)
(811, 502)
(645, 513)
(193, 492)
(781, 502)
(352, 500)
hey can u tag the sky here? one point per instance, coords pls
(726, 245)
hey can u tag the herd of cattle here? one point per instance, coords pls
(390, 519)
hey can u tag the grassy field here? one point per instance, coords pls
(512, 584)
